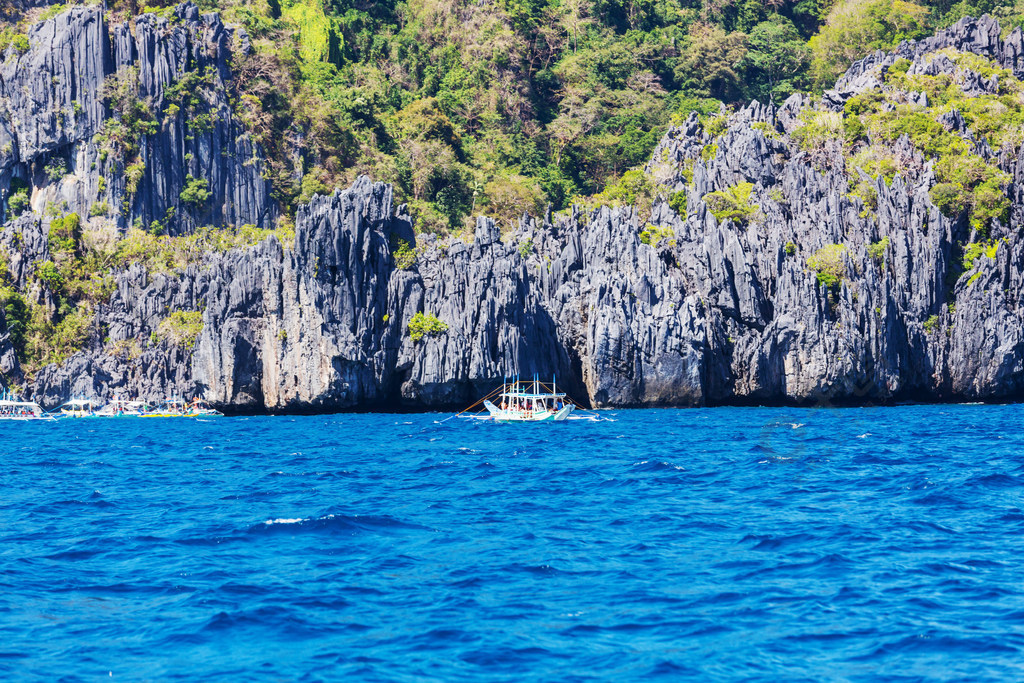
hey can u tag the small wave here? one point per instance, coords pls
(333, 523)
(670, 668)
(931, 642)
(656, 466)
(994, 481)
(778, 542)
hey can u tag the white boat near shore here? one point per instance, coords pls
(79, 407)
(13, 408)
(527, 401)
(120, 407)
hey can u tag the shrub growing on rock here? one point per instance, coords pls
(65, 233)
(428, 325)
(876, 250)
(196, 191)
(828, 263)
(51, 276)
(181, 328)
(732, 203)
(404, 255)
(18, 201)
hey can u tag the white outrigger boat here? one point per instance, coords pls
(13, 408)
(79, 407)
(120, 407)
(527, 401)
(177, 407)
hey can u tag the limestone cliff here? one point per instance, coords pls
(627, 306)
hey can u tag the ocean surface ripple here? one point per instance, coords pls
(716, 544)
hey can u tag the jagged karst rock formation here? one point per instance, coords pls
(707, 311)
(55, 102)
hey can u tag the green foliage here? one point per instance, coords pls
(633, 189)
(425, 325)
(313, 184)
(10, 38)
(499, 107)
(404, 255)
(653, 235)
(166, 254)
(716, 126)
(965, 181)
(818, 127)
(313, 26)
(525, 248)
(876, 250)
(853, 28)
(196, 191)
(133, 176)
(65, 234)
(507, 198)
(50, 275)
(732, 203)
(181, 328)
(779, 59)
(677, 202)
(767, 130)
(507, 107)
(931, 324)
(18, 201)
(55, 339)
(52, 11)
(706, 108)
(17, 315)
(974, 250)
(56, 169)
(709, 152)
(99, 209)
(790, 248)
(828, 263)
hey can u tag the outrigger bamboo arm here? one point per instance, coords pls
(490, 395)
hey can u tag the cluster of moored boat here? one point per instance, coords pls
(14, 408)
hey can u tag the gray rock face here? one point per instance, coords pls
(54, 108)
(662, 310)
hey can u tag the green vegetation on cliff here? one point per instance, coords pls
(506, 107)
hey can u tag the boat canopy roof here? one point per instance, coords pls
(523, 394)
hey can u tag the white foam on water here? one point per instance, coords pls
(284, 520)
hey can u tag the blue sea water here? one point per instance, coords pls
(712, 544)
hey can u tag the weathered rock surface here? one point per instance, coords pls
(711, 312)
(53, 107)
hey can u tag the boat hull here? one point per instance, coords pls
(500, 415)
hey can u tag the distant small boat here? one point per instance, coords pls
(200, 408)
(78, 407)
(178, 407)
(13, 408)
(119, 407)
